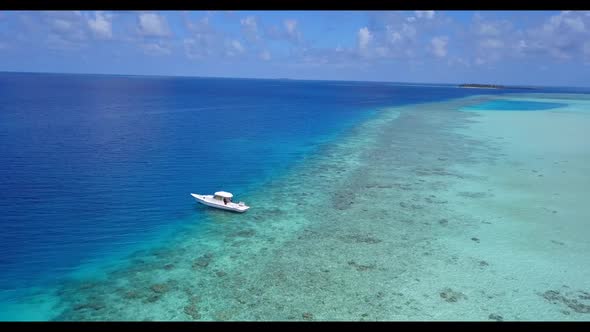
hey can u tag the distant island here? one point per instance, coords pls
(482, 86)
(491, 86)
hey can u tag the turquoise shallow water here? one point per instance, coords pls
(513, 105)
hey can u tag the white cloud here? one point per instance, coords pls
(565, 19)
(458, 61)
(156, 49)
(57, 42)
(68, 27)
(196, 48)
(429, 14)
(101, 25)
(250, 28)
(364, 38)
(562, 36)
(59, 30)
(202, 45)
(237, 46)
(289, 32)
(204, 40)
(153, 25)
(394, 35)
(576, 24)
(492, 43)
(292, 32)
(249, 21)
(494, 40)
(67, 30)
(406, 32)
(200, 26)
(439, 46)
(265, 55)
(488, 29)
(381, 51)
(387, 36)
(61, 25)
(291, 27)
(233, 48)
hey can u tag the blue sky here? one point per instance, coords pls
(501, 47)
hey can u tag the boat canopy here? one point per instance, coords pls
(224, 194)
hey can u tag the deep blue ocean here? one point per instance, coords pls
(93, 167)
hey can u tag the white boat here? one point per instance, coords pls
(221, 200)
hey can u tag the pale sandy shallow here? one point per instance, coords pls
(534, 203)
(423, 213)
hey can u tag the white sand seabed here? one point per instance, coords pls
(537, 216)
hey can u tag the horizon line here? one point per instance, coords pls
(291, 79)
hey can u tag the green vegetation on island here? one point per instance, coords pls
(483, 86)
(492, 86)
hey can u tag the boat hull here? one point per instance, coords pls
(209, 201)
